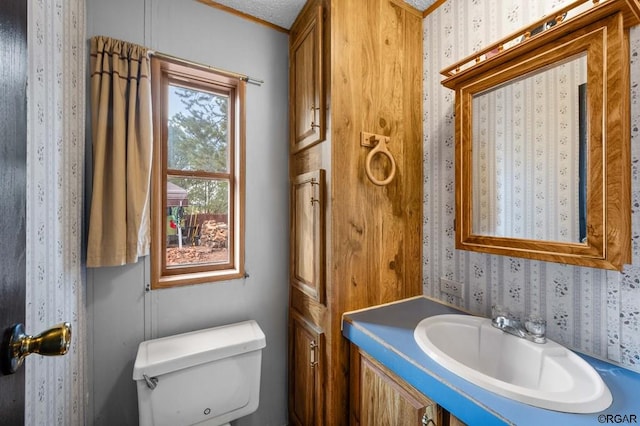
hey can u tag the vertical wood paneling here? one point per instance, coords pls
(376, 68)
(378, 74)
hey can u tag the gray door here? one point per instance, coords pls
(13, 149)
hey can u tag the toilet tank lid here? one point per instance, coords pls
(172, 353)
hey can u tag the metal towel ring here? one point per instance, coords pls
(380, 148)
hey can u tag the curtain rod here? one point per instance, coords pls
(243, 77)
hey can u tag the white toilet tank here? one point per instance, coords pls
(205, 377)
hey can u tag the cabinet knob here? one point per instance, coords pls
(313, 347)
(313, 183)
(313, 120)
(428, 417)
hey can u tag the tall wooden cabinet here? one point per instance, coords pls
(355, 71)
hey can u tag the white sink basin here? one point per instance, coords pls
(543, 375)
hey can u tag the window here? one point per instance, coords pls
(197, 178)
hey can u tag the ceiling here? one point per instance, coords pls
(283, 12)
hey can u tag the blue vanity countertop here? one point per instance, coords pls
(386, 333)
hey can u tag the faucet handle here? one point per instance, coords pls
(535, 326)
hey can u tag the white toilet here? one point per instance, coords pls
(207, 377)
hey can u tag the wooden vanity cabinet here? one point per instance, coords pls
(379, 397)
(355, 66)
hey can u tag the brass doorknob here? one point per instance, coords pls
(16, 345)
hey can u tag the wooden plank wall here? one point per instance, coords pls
(375, 232)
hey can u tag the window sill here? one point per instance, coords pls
(171, 281)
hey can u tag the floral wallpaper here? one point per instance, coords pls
(591, 310)
(55, 386)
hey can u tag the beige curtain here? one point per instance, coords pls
(122, 144)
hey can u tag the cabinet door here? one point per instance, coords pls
(307, 234)
(306, 82)
(306, 398)
(385, 400)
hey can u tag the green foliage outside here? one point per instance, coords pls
(198, 140)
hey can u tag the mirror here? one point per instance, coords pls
(543, 139)
(527, 152)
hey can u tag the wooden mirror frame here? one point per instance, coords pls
(602, 32)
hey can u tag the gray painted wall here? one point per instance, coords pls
(121, 313)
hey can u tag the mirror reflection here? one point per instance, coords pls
(529, 154)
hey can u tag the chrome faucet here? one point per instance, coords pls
(533, 329)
